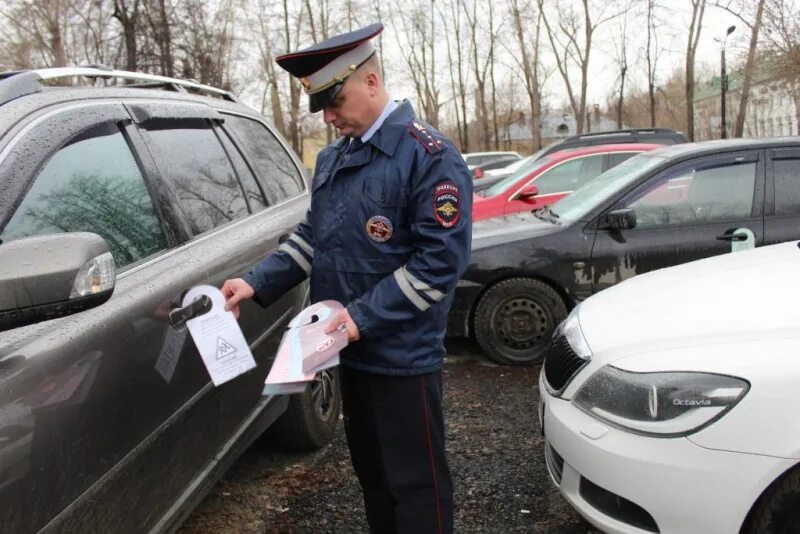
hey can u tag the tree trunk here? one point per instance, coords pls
(698, 9)
(738, 128)
(128, 21)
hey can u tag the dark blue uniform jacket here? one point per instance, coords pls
(388, 235)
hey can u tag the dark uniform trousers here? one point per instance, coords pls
(395, 432)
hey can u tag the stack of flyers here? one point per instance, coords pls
(306, 349)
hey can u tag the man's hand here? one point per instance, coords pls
(235, 291)
(343, 318)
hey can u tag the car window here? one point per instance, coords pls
(252, 190)
(273, 165)
(697, 196)
(591, 196)
(191, 157)
(569, 175)
(787, 186)
(615, 158)
(93, 184)
(523, 171)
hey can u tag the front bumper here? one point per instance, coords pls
(623, 482)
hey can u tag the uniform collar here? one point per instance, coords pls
(390, 106)
(388, 134)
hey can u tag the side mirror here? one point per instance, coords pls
(51, 276)
(528, 192)
(621, 219)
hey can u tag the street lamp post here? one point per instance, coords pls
(723, 84)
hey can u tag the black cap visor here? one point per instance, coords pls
(319, 101)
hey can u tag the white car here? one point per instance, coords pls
(671, 402)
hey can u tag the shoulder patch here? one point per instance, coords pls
(421, 133)
(447, 204)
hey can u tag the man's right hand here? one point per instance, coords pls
(235, 291)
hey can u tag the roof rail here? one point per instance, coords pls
(14, 85)
(627, 131)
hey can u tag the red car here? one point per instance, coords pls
(544, 181)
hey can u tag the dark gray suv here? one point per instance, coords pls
(108, 419)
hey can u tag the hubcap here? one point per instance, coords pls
(521, 323)
(322, 393)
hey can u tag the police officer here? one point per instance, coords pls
(388, 235)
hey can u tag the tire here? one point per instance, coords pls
(777, 511)
(514, 320)
(311, 418)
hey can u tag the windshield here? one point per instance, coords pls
(512, 178)
(575, 206)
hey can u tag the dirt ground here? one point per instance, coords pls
(494, 448)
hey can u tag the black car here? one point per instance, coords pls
(108, 419)
(658, 209)
(657, 136)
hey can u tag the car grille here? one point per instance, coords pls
(561, 363)
(555, 463)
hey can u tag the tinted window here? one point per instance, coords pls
(569, 175)
(698, 196)
(93, 184)
(615, 158)
(253, 192)
(191, 157)
(787, 186)
(273, 164)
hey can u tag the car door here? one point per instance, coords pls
(113, 412)
(557, 182)
(233, 225)
(782, 213)
(687, 212)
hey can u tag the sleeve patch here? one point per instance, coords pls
(431, 144)
(446, 204)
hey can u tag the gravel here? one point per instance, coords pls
(494, 449)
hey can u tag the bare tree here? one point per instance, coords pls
(127, 13)
(651, 58)
(528, 48)
(38, 29)
(479, 70)
(698, 10)
(782, 36)
(620, 57)
(415, 37)
(743, 10)
(451, 20)
(570, 35)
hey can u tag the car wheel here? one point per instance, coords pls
(778, 509)
(514, 320)
(310, 420)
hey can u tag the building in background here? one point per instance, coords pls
(554, 127)
(771, 108)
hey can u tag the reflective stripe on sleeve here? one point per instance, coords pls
(300, 242)
(296, 256)
(410, 293)
(433, 294)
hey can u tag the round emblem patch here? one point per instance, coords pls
(446, 204)
(379, 228)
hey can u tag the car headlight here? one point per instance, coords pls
(665, 404)
(571, 329)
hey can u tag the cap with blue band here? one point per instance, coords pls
(324, 67)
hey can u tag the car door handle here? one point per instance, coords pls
(732, 237)
(179, 316)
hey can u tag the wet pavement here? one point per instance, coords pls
(494, 449)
